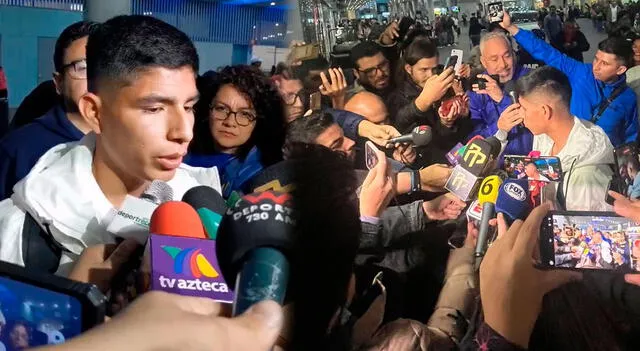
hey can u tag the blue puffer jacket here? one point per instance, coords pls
(619, 121)
(485, 114)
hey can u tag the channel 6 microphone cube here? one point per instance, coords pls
(187, 266)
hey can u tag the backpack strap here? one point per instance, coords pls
(604, 104)
(40, 251)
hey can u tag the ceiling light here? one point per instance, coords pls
(273, 4)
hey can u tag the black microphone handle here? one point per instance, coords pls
(488, 210)
(401, 139)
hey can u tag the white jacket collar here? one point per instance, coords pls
(61, 191)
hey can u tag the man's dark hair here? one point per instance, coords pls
(307, 129)
(546, 79)
(126, 45)
(620, 47)
(70, 34)
(420, 49)
(364, 49)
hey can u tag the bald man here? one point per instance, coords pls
(370, 106)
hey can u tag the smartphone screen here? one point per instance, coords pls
(545, 168)
(450, 62)
(315, 101)
(589, 240)
(371, 158)
(40, 316)
(495, 11)
(627, 164)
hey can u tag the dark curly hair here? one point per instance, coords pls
(269, 133)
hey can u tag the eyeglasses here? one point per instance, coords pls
(291, 98)
(79, 69)
(221, 112)
(373, 71)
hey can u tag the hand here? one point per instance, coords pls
(377, 189)
(511, 288)
(444, 207)
(508, 25)
(492, 88)
(290, 59)
(450, 119)
(464, 71)
(434, 89)
(434, 177)
(465, 111)
(510, 118)
(379, 134)
(160, 320)
(99, 264)
(625, 207)
(336, 89)
(405, 153)
(391, 34)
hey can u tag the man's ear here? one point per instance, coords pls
(621, 70)
(356, 73)
(90, 107)
(407, 69)
(548, 111)
(57, 81)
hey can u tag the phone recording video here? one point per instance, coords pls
(546, 168)
(628, 164)
(371, 158)
(451, 61)
(495, 11)
(589, 240)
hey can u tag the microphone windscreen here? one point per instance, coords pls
(158, 192)
(258, 220)
(205, 197)
(176, 218)
(477, 156)
(496, 146)
(510, 87)
(513, 199)
(422, 135)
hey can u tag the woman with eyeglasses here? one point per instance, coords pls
(239, 126)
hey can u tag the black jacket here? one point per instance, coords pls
(575, 52)
(406, 116)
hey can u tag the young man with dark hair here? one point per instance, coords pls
(584, 150)
(600, 93)
(372, 69)
(21, 149)
(141, 75)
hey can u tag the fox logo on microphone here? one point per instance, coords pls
(187, 266)
(515, 191)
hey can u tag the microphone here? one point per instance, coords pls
(210, 207)
(254, 240)
(487, 198)
(510, 89)
(180, 258)
(513, 200)
(477, 160)
(420, 136)
(132, 219)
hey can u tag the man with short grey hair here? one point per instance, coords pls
(489, 101)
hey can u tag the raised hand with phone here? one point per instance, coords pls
(334, 85)
(435, 88)
(378, 187)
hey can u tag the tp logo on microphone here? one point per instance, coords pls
(460, 181)
(515, 191)
(474, 155)
(190, 260)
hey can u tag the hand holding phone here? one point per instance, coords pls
(378, 187)
(495, 11)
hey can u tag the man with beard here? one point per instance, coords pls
(21, 149)
(372, 69)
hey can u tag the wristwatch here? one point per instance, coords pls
(416, 185)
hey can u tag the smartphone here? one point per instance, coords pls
(544, 168)
(589, 240)
(371, 158)
(51, 309)
(404, 26)
(495, 11)
(315, 101)
(458, 54)
(626, 158)
(450, 62)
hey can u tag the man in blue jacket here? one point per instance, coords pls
(486, 105)
(600, 93)
(21, 148)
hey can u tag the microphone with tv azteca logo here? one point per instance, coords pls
(419, 136)
(513, 200)
(487, 197)
(254, 239)
(132, 219)
(210, 207)
(478, 159)
(180, 257)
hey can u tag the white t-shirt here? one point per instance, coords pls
(614, 13)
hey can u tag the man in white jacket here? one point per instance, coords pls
(585, 152)
(141, 79)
